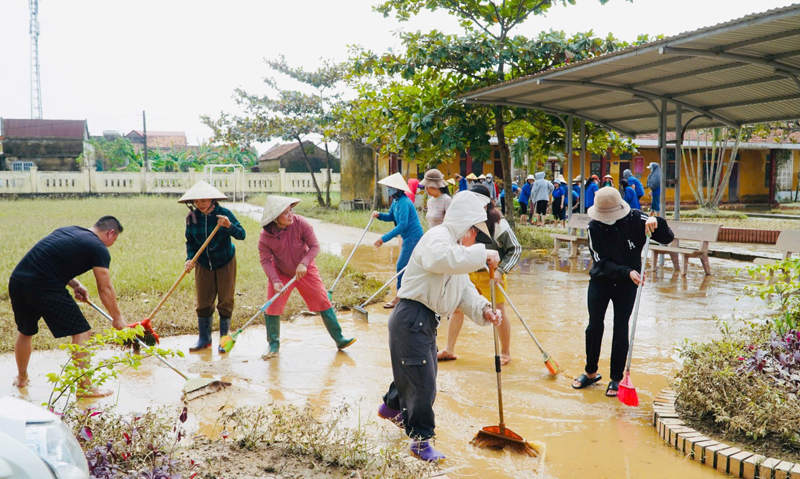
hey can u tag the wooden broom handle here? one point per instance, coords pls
(180, 278)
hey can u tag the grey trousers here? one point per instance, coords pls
(412, 344)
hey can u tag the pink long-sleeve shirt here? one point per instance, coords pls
(283, 250)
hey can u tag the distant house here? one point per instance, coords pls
(46, 144)
(158, 140)
(289, 156)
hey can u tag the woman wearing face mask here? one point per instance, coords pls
(407, 226)
(616, 237)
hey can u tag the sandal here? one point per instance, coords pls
(612, 386)
(586, 381)
(445, 356)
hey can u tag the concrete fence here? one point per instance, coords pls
(113, 182)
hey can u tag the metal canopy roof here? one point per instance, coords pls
(741, 72)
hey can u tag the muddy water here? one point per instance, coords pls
(586, 434)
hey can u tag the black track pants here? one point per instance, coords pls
(412, 344)
(623, 295)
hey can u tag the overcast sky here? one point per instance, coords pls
(107, 60)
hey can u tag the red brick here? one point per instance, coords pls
(722, 458)
(699, 450)
(783, 469)
(736, 463)
(751, 466)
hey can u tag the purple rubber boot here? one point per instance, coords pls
(390, 414)
(425, 451)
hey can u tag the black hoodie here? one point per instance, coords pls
(617, 249)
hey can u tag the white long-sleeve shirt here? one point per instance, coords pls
(438, 271)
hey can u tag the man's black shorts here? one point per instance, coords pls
(541, 207)
(31, 302)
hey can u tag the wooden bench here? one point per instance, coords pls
(576, 222)
(788, 243)
(683, 230)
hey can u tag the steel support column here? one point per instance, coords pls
(583, 166)
(568, 152)
(662, 143)
(678, 160)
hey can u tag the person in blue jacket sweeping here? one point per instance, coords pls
(525, 194)
(407, 225)
(634, 183)
(591, 189)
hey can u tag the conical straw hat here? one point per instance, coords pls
(472, 177)
(202, 191)
(452, 181)
(275, 206)
(482, 177)
(395, 181)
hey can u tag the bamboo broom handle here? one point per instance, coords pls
(183, 274)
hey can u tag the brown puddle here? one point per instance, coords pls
(586, 434)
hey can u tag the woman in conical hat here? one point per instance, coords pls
(215, 273)
(407, 226)
(287, 247)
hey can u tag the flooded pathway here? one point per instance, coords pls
(586, 434)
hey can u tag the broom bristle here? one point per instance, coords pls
(488, 441)
(227, 343)
(552, 366)
(206, 390)
(627, 393)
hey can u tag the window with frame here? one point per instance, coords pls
(595, 164)
(21, 165)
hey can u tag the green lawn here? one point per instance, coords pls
(145, 261)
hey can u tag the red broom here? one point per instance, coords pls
(627, 393)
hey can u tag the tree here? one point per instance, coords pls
(487, 53)
(709, 169)
(289, 115)
(115, 155)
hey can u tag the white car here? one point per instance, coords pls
(36, 444)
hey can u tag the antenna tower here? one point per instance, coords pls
(36, 84)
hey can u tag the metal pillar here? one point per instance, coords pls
(569, 166)
(662, 143)
(583, 166)
(678, 161)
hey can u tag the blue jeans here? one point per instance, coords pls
(405, 255)
(656, 203)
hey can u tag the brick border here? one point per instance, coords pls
(716, 455)
(748, 235)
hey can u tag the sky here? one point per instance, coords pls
(107, 60)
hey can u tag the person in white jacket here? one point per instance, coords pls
(436, 282)
(540, 198)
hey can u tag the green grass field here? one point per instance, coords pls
(145, 261)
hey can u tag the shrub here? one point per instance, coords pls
(704, 213)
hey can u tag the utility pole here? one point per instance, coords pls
(144, 128)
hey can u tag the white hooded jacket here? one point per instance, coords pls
(438, 271)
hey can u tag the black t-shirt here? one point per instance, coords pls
(62, 255)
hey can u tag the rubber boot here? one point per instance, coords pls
(204, 341)
(224, 324)
(424, 450)
(385, 412)
(332, 325)
(273, 335)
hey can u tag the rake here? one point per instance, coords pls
(228, 342)
(330, 291)
(549, 362)
(359, 312)
(499, 437)
(195, 386)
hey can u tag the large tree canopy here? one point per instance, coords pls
(441, 66)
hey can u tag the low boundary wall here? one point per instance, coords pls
(115, 182)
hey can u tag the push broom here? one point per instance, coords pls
(627, 393)
(499, 437)
(330, 291)
(227, 342)
(549, 362)
(194, 387)
(359, 312)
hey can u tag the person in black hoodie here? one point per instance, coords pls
(617, 235)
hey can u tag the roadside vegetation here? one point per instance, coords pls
(146, 260)
(745, 386)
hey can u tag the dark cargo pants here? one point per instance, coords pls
(412, 344)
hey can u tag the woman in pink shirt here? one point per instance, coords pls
(287, 247)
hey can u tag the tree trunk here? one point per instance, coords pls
(328, 179)
(376, 195)
(505, 161)
(320, 201)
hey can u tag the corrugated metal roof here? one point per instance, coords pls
(741, 72)
(13, 128)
